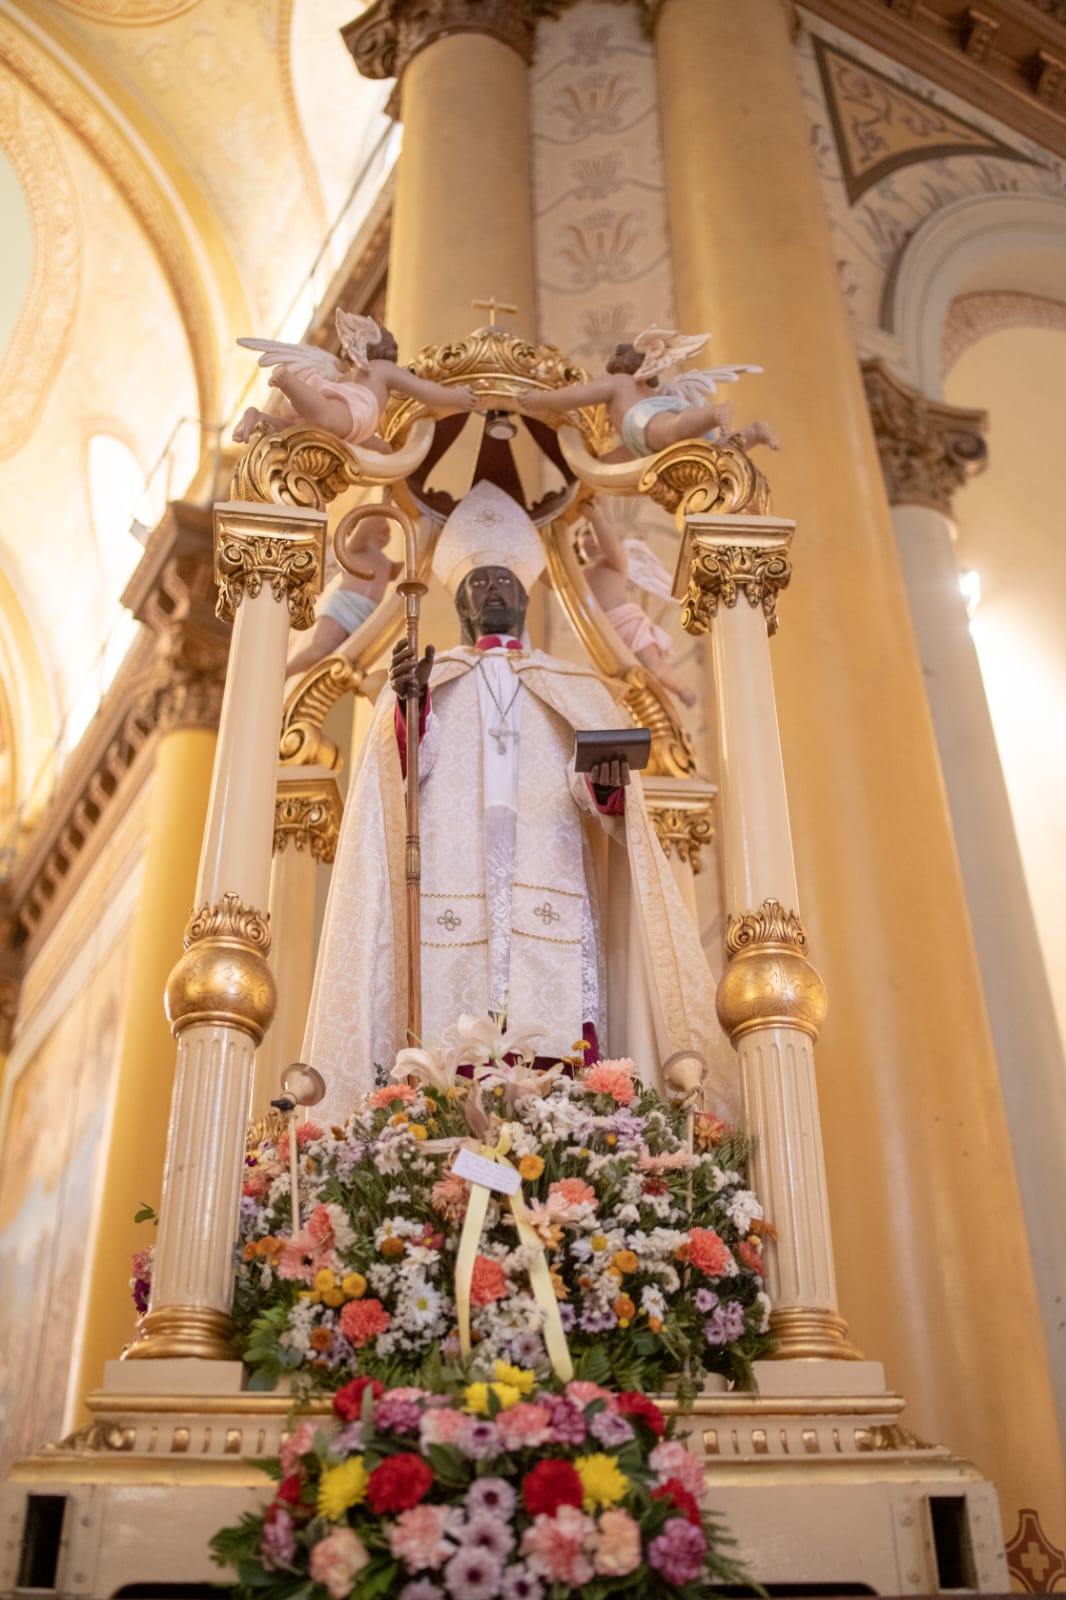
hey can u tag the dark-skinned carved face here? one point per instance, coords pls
(490, 600)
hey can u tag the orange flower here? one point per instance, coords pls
(363, 1320)
(574, 1191)
(707, 1252)
(392, 1248)
(749, 1252)
(625, 1261)
(251, 1250)
(624, 1308)
(530, 1168)
(487, 1282)
(763, 1229)
(321, 1339)
(402, 1093)
(561, 1291)
(655, 1325)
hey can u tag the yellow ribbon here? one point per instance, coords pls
(539, 1274)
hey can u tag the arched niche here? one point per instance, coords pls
(1011, 242)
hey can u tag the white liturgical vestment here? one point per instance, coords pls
(533, 903)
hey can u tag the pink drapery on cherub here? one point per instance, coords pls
(345, 399)
(649, 416)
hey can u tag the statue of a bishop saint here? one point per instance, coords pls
(545, 897)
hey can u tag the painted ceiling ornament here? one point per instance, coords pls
(344, 398)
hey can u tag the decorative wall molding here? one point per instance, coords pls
(973, 317)
(1006, 56)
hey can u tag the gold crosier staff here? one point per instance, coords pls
(412, 588)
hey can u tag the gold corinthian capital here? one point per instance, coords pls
(280, 547)
(722, 558)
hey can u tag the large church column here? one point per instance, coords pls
(932, 1259)
(462, 225)
(928, 450)
(173, 593)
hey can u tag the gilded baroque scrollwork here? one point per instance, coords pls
(229, 919)
(308, 813)
(693, 478)
(770, 924)
(244, 561)
(719, 574)
(927, 449)
(303, 744)
(672, 754)
(300, 467)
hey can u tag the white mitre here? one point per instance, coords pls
(488, 529)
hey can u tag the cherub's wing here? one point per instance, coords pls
(356, 334)
(665, 347)
(302, 360)
(697, 387)
(646, 570)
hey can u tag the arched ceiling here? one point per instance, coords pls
(169, 171)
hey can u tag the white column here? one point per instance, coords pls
(1021, 1012)
(771, 1001)
(221, 994)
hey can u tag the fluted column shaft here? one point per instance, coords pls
(221, 994)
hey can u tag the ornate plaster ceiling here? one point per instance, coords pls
(181, 162)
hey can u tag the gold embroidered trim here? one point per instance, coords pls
(547, 888)
(431, 894)
(451, 944)
(545, 938)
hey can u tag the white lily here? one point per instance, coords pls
(436, 1069)
(480, 1040)
(517, 1081)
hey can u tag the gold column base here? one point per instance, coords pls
(174, 1332)
(802, 1333)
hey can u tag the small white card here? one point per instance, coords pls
(490, 1174)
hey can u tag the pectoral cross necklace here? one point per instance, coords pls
(501, 733)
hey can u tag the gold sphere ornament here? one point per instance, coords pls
(770, 985)
(222, 983)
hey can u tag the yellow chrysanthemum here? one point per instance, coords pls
(506, 1394)
(417, 1131)
(601, 1481)
(333, 1297)
(476, 1398)
(354, 1285)
(530, 1167)
(325, 1280)
(341, 1487)
(519, 1378)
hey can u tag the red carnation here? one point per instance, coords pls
(290, 1489)
(399, 1483)
(348, 1402)
(633, 1404)
(550, 1485)
(674, 1491)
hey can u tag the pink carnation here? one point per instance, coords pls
(305, 1132)
(450, 1196)
(298, 1444)
(618, 1552)
(566, 1198)
(336, 1559)
(613, 1078)
(678, 1552)
(583, 1393)
(559, 1547)
(441, 1426)
(671, 1460)
(363, 1320)
(708, 1252)
(421, 1537)
(524, 1426)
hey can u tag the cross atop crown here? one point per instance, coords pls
(492, 305)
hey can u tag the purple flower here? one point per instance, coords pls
(479, 1439)
(610, 1430)
(397, 1416)
(567, 1316)
(249, 1207)
(592, 1321)
(527, 1349)
(421, 1589)
(490, 1496)
(678, 1551)
(726, 1323)
(520, 1584)
(706, 1300)
(277, 1546)
(567, 1419)
(474, 1574)
(348, 1158)
(491, 1533)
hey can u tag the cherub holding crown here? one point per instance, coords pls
(649, 416)
(343, 399)
(612, 566)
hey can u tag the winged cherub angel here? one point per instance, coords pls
(343, 399)
(648, 415)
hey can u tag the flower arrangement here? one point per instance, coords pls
(502, 1489)
(651, 1238)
